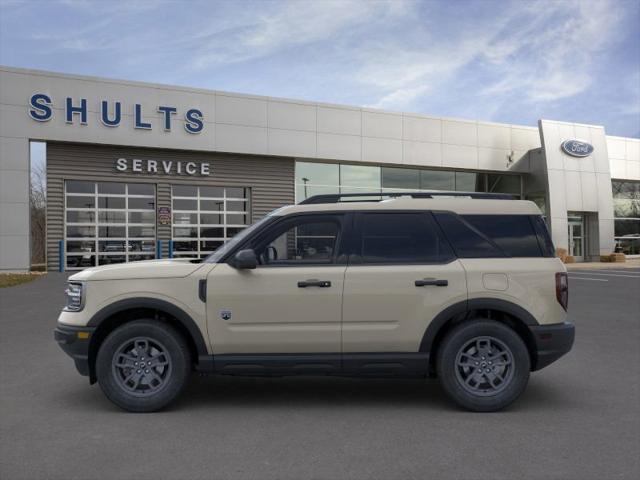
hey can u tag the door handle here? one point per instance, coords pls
(425, 282)
(314, 283)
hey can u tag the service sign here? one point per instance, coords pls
(164, 167)
(577, 148)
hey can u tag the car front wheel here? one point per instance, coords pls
(143, 365)
(483, 365)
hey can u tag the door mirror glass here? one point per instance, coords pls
(245, 260)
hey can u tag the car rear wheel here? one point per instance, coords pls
(483, 365)
(143, 365)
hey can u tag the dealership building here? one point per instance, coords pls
(137, 170)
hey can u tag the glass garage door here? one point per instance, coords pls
(206, 217)
(108, 222)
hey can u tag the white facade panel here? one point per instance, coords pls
(293, 143)
(573, 191)
(292, 116)
(523, 138)
(13, 254)
(422, 153)
(493, 159)
(14, 186)
(14, 154)
(617, 148)
(633, 170)
(421, 129)
(241, 139)
(618, 168)
(340, 147)
(381, 125)
(458, 156)
(455, 132)
(494, 136)
(588, 185)
(341, 121)
(633, 149)
(382, 150)
(251, 112)
(557, 194)
(599, 142)
(14, 219)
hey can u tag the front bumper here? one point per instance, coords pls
(75, 343)
(552, 342)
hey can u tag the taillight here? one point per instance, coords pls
(562, 289)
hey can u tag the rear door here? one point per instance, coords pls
(401, 275)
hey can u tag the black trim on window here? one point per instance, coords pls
(544, 237)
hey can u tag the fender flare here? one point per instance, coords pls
(156, 304)
(468, 305)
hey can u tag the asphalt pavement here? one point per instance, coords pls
(578, 419)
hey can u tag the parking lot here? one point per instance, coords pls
(578, 419)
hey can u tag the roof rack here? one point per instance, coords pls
(377, 196)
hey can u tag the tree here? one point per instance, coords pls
(38, 214)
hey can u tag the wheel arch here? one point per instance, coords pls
(127, 310)
(509, 313)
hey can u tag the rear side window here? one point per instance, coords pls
(513, 234)
(489, 236)
(405, 238)
(467, 241)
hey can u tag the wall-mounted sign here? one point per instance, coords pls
(577, 148)
(164, 216)
(41, 109)
(164, 167)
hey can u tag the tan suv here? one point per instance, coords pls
(464, 287)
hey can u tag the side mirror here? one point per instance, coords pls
(245, 260)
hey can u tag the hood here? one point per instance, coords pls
(173, 268)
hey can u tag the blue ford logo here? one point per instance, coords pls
(576, 148)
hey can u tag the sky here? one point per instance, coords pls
(502, 61)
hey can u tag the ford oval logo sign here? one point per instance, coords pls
(576, 148)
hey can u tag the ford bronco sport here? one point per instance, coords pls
(463, 287)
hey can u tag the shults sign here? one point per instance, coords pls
(41, 109)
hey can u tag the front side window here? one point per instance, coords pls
(306, 240)
(406, 238)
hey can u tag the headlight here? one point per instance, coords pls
(75, 297)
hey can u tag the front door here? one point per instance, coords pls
(576, 237)
(291, 303)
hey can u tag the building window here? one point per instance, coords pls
(322, 178)
(626, 210)
(206, 217)
(108, 222)
(359, 178)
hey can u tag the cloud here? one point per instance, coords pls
(284, 26)
(540, 51)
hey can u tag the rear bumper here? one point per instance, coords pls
(552, 342)
(74, 341)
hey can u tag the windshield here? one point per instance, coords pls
(238, 238)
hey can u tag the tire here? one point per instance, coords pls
(143, 365)
(483, 365)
